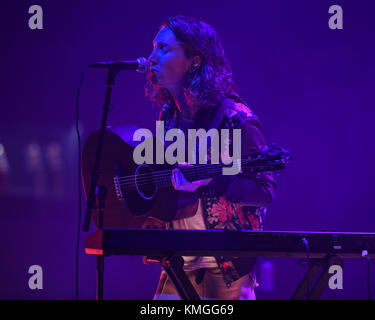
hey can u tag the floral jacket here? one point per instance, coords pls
(232, 202)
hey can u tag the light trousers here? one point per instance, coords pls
(212, 287)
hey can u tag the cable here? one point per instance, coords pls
(368, 278)
(367, 256)
(307, 266)
(79, 185)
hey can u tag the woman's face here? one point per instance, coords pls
(168, 62)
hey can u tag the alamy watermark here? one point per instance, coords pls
(36, 280)
(336, 21)
(175, 152)
(336, 280)
(36, 20)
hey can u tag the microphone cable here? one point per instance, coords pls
(366, 255)
(304, 240)
(79, 186)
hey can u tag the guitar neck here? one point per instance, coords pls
(205, 171)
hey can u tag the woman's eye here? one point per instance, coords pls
(164, 47)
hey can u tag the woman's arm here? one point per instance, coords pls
(256, 190)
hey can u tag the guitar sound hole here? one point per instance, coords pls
(144, 182)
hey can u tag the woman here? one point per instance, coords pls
(191, 80)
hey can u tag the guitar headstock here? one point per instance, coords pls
(266, 159)
(270, 153)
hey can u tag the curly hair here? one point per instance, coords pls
(213, 79)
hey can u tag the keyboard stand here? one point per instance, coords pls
(173, 266)
(318, 278)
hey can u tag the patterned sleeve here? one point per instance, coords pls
(256, 190)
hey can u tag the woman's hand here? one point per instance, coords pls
(180, 183)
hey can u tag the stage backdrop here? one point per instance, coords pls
(311, 86)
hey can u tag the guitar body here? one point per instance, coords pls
(130, 203)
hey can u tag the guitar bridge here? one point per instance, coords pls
(118, 190)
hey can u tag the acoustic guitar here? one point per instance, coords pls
(143, 195)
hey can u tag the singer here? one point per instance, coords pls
(190, 80)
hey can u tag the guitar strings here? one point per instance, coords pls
(167, 173)
(200, 166)
(161, 172)
(163, 178)
(132, 185)
(157, 181)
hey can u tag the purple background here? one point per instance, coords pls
(312, 87)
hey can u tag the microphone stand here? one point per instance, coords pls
(98, 193)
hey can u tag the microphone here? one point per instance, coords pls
(141, 65)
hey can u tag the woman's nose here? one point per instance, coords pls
(152, 58)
